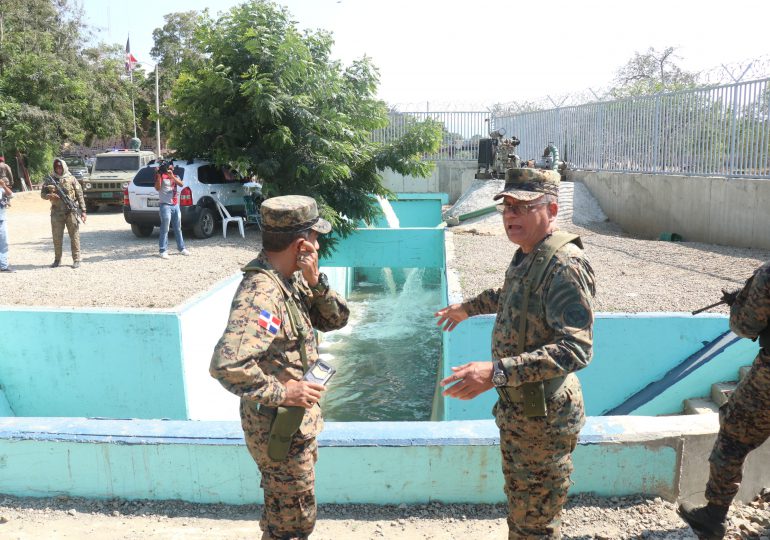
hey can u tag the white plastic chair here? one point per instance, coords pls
(227, 218)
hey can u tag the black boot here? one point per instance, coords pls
(708, 522)
(55, 263)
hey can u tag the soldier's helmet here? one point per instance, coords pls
(292, 213)
(529, 184)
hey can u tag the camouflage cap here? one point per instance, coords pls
(292, 213)
(529, 184)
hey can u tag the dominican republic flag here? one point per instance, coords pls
(130, 60)
(269, 322)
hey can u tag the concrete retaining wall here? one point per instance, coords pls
(359, 462)
(716, 210)
(450, 177)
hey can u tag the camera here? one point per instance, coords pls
(165, 166)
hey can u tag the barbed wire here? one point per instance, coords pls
(729, 73)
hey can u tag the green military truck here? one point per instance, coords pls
(111, 174)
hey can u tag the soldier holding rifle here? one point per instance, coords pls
(67, 209)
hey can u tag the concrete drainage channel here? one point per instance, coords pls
(364, 462)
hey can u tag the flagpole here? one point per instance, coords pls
(130, 69)
(133, 108)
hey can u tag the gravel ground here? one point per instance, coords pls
(585, 517)
(120, 270)
(633, 275)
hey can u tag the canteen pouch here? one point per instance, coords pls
(285, 424)
(534, 399)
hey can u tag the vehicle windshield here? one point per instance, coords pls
(146, 176)
(117, 163)
(75, 162)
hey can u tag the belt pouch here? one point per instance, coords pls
(285, 424)
(534, 399)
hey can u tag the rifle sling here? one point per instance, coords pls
(287, 420)
(534, 392)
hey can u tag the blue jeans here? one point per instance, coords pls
(3, 244)
(169, 215)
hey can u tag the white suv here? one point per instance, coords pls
(203, 181)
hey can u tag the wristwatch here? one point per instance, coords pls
(499, 378)
(322, 286)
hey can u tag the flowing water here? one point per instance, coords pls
(387, 355)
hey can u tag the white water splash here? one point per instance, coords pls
(390, 214)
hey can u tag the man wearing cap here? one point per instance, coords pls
(264, 352)
(542, 335)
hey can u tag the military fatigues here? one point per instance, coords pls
(6, 173)
(61, 216)
(254, 360)
(744, 421)
(536, 450)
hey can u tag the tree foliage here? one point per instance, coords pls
(650, 73)
(270, 99)
(53, 89)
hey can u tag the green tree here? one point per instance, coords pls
(650, 73)
(52, 89)
(270, 99)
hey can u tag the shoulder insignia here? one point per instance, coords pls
(268, 321)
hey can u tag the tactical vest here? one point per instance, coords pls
(287, 420)
(532, 394)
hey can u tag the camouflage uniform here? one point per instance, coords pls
(7, 173)
(254, 364)
(61, 216)
(744, 421)
(536, 451)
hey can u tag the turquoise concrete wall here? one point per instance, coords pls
(5, 407)
(414, 213)
(630, 351)
(380, 463)
(396, 248)
(698, 384)
(60, 362)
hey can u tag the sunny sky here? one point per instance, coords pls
(459, 53)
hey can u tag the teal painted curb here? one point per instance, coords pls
(378, 463)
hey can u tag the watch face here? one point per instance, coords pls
(499, 379)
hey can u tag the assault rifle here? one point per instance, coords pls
(53, 187)
(727, 298)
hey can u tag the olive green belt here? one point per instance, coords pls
(519, 394)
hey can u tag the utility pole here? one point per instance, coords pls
(157, 112)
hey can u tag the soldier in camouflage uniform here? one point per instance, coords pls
(744, 421)
(5, 172)
(258, 358)
(61, 215)
(540, 407)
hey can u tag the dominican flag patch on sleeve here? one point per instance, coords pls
(269, 322)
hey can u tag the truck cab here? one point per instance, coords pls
(111, 174)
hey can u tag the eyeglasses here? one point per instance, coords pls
(518, 209)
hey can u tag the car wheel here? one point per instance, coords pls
(204, 227)
(91, 207)
(142, 231)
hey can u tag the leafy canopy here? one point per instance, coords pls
(54, 89)
(269, 98)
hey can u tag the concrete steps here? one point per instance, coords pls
(699, 406)
(720, 393)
